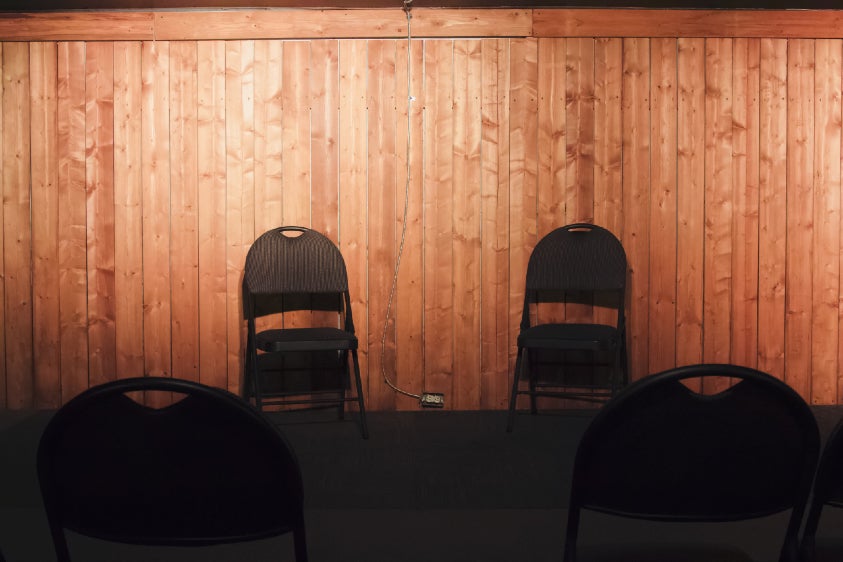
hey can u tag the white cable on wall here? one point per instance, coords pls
(410, 99)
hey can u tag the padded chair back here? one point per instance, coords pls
(661, 451)
(577, 257)
(207, 469)
(294, 259)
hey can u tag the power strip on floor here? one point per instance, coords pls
(432, 400)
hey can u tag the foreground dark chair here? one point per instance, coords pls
(289, 269)
(206, 470)
(663, 452)
(828, 491)
(584, 359)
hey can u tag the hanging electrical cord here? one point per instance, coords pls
(410, 99)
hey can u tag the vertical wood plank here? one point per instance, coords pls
(772, 213)
(353, 188)
(745, 135)
(45, 224)
(269, 148)
(240, 217)
(438, 225)
(73, 273)
(157, 333)
(99, 184)
(466, 195)
(495, 368)
(719, 206)
(128, 211)
(295, 127)
(4, 395)
(579, 138)
(325, 135)
(381, 101)
(212, 220)
(557, 88)
(17, 240)
(523, 178)
(690, 200)
(825, 328)
(608, 144)
(636, 194)
(579, 131)
(408, 304)
(663, 205)
(800, 214)
(552, 160)
(184, 201)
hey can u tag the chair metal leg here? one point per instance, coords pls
(364, 428)
(256, 385)
(300, 544)
(532, 379)
(510, 421)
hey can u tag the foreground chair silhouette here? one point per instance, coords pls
(293, 268)
(827, 491)
(580, 358)
(663, 452)
(206, 470)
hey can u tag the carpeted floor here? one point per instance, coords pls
(427, 486)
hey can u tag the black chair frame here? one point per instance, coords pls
(207, 469)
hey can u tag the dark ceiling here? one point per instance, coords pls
(59, 5)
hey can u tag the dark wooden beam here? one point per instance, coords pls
(63, 5)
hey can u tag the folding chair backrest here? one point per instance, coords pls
(577, 257)
(294, 260)
(659, 450)
(207, 469)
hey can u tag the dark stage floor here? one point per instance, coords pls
(427, 486)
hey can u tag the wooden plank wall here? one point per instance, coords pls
(136, 172)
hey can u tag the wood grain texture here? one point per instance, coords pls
(800, 213)
(438, 218)
(184, 202)
(597, 22)
(72, 263)
(128, 212)
(745, 167)
(636, 196)
(211, 151)
(427, 22)
(45, 223)
(690, 200)
(157, 329)
(719, 205)
(153, 165)
(466, 196)
(825, 316)
(17, 235)
(663, 204)
(496, 370)
(382, 126)
(772, 212)
(408, 300)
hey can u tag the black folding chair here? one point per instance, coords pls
(827, 491)
(660, 451)
(582, 359)
(208, 469)
(294, 268)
